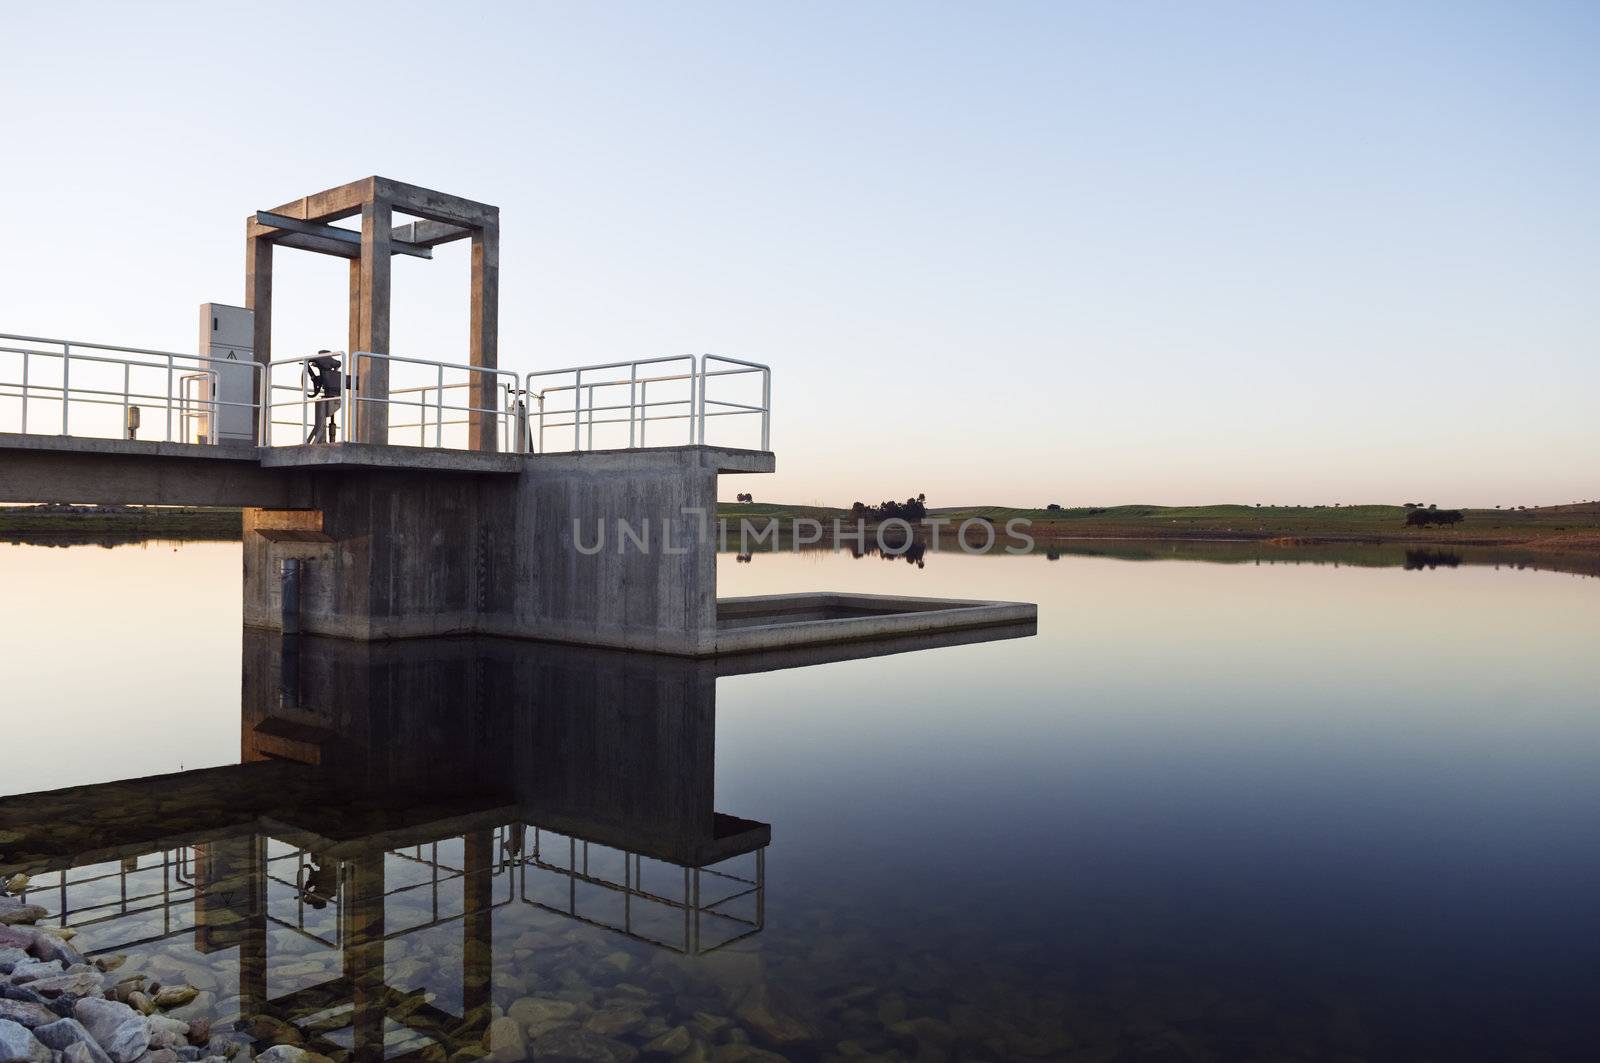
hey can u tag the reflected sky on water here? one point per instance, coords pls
(1218, 810)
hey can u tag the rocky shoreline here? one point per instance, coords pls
(56, 1006)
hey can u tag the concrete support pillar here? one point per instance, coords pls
(369, 413)
(484, 344)
(258, 293)
(354, 342)
(477, 924)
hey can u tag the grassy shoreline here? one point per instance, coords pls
(1574, 528)
(123, 523)
(1571, 527)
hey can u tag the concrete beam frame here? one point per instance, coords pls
(306, 224)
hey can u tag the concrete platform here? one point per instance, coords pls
(373, 456)
(777, 621)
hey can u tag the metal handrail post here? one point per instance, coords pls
(702, 436)
(66, 382)
(438, 410)
(591, 416)
(577, 405)
(633, 386)
(127, 368)
(644, 408)
(24, 392)
(766, 409)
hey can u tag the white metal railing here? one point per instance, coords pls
(735, 367)
(72, 387)
(435, 396)
(69, 387)
(615, 394)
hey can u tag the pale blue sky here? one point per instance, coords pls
(1000, 253)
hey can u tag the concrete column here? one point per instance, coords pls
(371, 415)
(354, 339)
(484, 342)
(258, 291)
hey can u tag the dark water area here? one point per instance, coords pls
(1277, 808)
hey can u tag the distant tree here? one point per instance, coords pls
(744, 498)
(1053, 505)
(1421, 518)
(1433, 505)
(1411, 505)
(912, 510)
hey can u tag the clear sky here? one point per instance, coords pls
(1005, 253)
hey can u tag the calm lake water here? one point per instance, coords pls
(1208, 812)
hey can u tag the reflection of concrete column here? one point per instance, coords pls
(225, 896)
(253, 940)
(477, 927)
(363, 952)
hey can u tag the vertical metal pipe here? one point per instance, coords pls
(66, 384)
(766, 409)
(125, 370)
(24, 392)
(577, 409)
(633, 385)
(705, 369)
(644, 408)
(438, 410)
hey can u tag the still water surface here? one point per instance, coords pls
(1209, 811)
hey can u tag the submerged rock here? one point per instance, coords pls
(504, 1040)
(166, 1032)
(674, 1042)
(614, 1021)
(175, 996)
(13, 910)
(772, 1018)
(581, 1046)
(289, 1054)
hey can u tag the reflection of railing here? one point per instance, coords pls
(440, 873)
(134, 897)
(693, 906)
(615, 394)
(353, 412)
(61, 385)
(708, 893)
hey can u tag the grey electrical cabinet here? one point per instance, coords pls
(223, 390)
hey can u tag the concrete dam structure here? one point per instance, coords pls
(387, 496)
